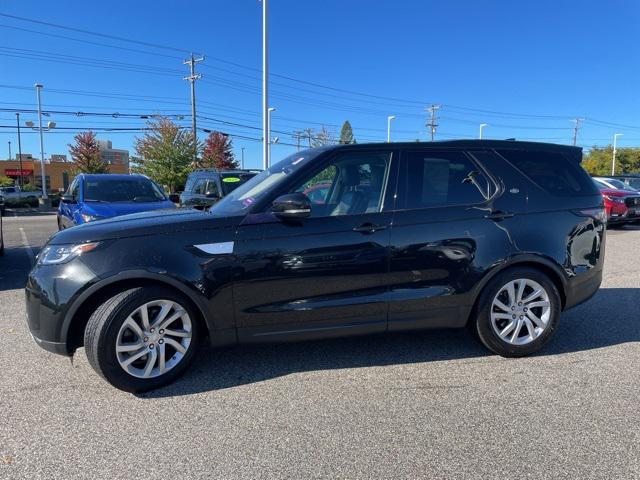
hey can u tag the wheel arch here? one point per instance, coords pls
(78, 316)
(544, 265)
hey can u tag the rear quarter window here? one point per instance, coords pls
(552, 171)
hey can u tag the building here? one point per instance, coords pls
(58, 175)
(58, 158)
(113, 156)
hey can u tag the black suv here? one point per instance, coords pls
(205, 187)
(498, 235)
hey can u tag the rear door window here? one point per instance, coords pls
(551, 171)
(437, 179)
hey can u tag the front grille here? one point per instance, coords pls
(632, 201)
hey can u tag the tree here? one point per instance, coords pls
(598, 160)
(85, 154)
(346, 134)
(218, 152)
(322, 138)
(6, 181)
(166, 153)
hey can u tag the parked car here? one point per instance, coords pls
(15, 196)
(622, 206)
(613, 183)
(1, 233)
(93, 197)
(630, 180)
(499, 235)
(205, 187)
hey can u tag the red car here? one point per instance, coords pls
(622, 206)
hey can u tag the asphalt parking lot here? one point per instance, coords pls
(419, 405)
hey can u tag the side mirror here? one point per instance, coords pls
(212, 195)
(292, 206)
(68, 199)
(174, 197)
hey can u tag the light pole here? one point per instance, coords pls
(389, 118)
(9, 149)
(50, 126)
(19, 150)
(44, 184)
(265, 75)
(482, 125)
(270, 110)
(242, 159)
(613, 160)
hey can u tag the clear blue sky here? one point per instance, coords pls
(546, 61)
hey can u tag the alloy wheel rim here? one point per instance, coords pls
(520, 311)
(154, 339)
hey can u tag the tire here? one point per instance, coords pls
(533, 334)
(106, 329)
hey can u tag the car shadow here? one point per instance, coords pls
(588, 326)
(14, 267)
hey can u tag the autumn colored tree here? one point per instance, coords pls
(218, 152)
(166, 153)
(85, 154)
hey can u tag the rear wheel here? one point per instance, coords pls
(142, 338)
(518, 312)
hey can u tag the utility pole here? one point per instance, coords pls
(575, 129)
(192, 79)
(19, 150)
(298, 134)
(432, 121)
(9, 149)
(308, 132)
(242, 159)
(265, 85)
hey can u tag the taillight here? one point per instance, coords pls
(598, 213)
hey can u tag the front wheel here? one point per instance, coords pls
(142, 338)
(518, 312)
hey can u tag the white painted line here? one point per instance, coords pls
(25, 244)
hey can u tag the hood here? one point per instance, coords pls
(157, 222)
(108, 210)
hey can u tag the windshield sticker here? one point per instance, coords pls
(230, 179)
(248, 201)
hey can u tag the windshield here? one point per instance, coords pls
(617, 184)
(231, 181)
(135, 189)
(249, 193)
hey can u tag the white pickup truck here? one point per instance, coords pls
(15, 196)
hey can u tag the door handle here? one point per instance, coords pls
(499, 215)
(369, 228)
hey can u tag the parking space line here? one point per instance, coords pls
(25, 244)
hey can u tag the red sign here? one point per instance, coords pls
(15, 172)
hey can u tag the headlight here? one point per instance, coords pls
(90, 218)
(614, 199)
(57, 254)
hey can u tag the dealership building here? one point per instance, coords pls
(58, 171)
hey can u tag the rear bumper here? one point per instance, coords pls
(581, 288)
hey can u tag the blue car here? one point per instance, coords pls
(95, 197)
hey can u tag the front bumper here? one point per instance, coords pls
(49, 295)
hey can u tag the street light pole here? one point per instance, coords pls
(613, 160)
(9, 149)
(389, 118)
(242, 159)
(265, 75)
(482, 125)
(270, 110)
(19, 150)
(44, 184)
